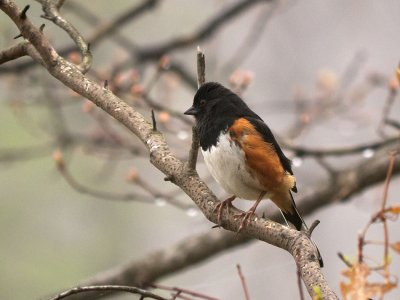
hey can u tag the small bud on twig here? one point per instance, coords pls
(164, 62)
(137, 89)
(87, 106)
(393, 85)
(164, 117)
(132, 175)
(58, 159)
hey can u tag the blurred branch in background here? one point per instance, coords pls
(154, 52)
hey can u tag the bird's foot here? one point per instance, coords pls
(220, 208)
(246, 218)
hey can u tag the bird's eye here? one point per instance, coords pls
(202, 103)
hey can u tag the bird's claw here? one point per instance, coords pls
(246, 219)
(220, 209)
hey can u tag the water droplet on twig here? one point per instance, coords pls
(368, 153)
(192, 212)
(160, 201)
(297, 161)
(182, 135)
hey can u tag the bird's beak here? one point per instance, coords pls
(191, 111)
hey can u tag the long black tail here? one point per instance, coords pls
(295, 218)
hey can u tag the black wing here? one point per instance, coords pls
(261, 127)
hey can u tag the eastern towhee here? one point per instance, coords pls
(242, 154)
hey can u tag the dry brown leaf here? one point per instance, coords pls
(358, 287)
(395, 246)
(398, 73)
(395, 209)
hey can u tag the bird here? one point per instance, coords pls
(242, 154)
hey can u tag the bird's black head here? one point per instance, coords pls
(207, 96)
(216, 108)
(213, 97)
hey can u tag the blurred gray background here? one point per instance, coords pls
(52, 237)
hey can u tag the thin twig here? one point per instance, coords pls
(153, 118)
(380, 216)
(243, 282)
(345, 260)
(386, 109)
(201, 79)
(108, 288)
(313, 226)
(52, 13)
(181, 291)
(392, 157)
(201, 68)
(299, 284)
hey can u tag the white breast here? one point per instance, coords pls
(226, 163)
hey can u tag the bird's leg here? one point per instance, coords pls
(220, 208)
(246, 216)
